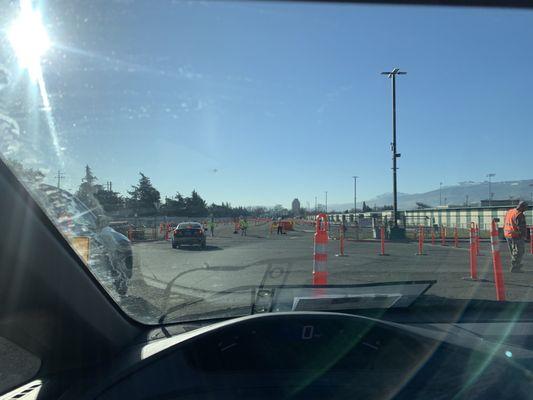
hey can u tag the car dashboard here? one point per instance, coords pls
(302, 355)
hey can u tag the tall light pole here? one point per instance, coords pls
(316, 204)
(392, 74)
(326, 201)
(355, 194)
(490, 190)
(531, 186)
(440, 193)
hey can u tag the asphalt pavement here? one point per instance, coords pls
(193, 282)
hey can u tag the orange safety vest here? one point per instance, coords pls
(510, 226)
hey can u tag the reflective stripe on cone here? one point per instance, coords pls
(320, 253)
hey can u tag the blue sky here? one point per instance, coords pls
(260, 103)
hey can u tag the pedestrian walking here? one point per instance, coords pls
(280, 227)
(515, 232)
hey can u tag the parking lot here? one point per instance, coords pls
(191, 280)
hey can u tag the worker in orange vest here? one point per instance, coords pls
(515, 232)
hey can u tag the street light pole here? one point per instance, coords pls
(490, 190)
(326, 201)
(355, 194)
(392, 74)
(440, 193)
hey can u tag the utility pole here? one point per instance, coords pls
(326, 201)
(392, 75)
(440, 193)
(316, 204)
(59, 176)
(355, 194)
(490, 189)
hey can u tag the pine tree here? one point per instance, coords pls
(88, 188)
(109, 200)
(174, 206)
(144, 198)
(195, 205)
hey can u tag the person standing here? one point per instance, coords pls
(212, 227)
(515, 232)
(280, 227)
(243, 226)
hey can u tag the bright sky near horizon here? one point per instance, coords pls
(257, 103)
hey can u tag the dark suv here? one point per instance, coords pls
(188, 233)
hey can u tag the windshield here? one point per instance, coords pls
(312, 144)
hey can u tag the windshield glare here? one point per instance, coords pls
(304, 144)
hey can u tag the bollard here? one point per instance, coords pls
(420, 241)
(382, 234)
(320, 251)
(477, 240)
(433, 235)
(473, 253)
(341, 242)
(497, 262)
(531, 239)
(455, 237)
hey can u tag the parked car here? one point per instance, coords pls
(110, 252)
(189, 233)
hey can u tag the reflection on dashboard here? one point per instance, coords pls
(313, 355)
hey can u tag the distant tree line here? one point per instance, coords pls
(144, 199)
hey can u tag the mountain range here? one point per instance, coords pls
(460, 194)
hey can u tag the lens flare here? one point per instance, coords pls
(30, 42)
(29, 39)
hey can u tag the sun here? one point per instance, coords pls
(29, 39)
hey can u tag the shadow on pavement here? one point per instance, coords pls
(198, 248)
